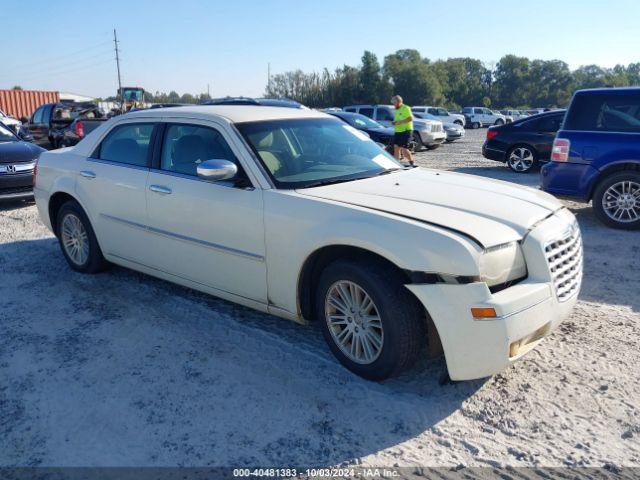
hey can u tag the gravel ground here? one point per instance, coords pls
(123, 369)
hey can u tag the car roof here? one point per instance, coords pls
(609, 90)
(232, 113)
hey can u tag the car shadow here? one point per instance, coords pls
(8, 205)
(122, 368)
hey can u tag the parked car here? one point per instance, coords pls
(53, 125)
(441, 114)
(266, 102)
(454, 131)
(514, 115)
(507, 118)
(377, 133)
(17, 161)
(477, 117)
(524, 144)
(426, 133)
(596, 155)
(10, 122)
(289, 212)
(536, 111)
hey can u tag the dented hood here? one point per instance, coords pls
(491, 212)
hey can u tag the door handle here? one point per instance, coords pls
(87, 174)
(160, 189)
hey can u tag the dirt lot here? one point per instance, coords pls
(123, 369)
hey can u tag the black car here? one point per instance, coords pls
(377, 132)
(525, 143)
(17, 161)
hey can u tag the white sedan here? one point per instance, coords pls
(295, 213)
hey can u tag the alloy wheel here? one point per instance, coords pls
(75, 239)
(621, 201)
(521, 159)
(354, 322)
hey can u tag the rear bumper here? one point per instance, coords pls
(454, 134)
(493, 153)
(525, 313)
(573, 180)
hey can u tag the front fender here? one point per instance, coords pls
(296, 226)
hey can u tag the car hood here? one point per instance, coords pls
(491, 212)
(14, 152)
(10, 121)
(381, 130)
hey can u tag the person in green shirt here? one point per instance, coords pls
(403, 129)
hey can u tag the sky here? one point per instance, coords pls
(185, 45)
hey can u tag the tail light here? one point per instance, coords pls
(491, 134)
(560, 150)
(35, 173)
(79, 129)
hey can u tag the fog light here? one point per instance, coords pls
(514, 348)
(483, 312)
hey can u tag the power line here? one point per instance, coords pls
(43, 70)
(59, 57)
(62, 72)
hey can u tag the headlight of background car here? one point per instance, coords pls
(502, 263)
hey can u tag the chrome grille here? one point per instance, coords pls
(564, 257)
(436, 127)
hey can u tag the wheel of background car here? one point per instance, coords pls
(616, 200)
(77, 239)
(370, 321)
(521, 158)
(434, 146)
(415, 145)
(475, 125)
(499, 122)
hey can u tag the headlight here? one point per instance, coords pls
(502, 263)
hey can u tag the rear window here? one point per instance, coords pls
(607, 113)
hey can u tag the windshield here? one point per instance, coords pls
(360, 121)
(6, 135)
(301, 153)
(132, 95)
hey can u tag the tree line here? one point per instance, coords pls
(513, 82)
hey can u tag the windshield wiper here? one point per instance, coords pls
(333, 181)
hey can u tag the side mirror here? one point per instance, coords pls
(216, 170)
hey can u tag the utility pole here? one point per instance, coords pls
(269, 77)
(115, 43)
(208, 92)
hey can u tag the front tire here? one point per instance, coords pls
(371, 322)
(499, 122)
(616, 200)
(475, 125)
(78, 241)
(416, 141)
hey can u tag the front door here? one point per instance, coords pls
(36, 127)
(211, 233)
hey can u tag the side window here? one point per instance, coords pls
(467, 110)
(478, 111)
(382, 114)
(186, 146)
(612, 113)
(442, 112)
(127, 144)
(367, 112)
(433, 111)
(418, 109)
(46, 113)
(350, 109)
(549, 124)
(37, 116)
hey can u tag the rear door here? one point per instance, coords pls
(545, 131)
(211, 233)
(112, 185)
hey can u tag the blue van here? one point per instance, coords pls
(596, 155)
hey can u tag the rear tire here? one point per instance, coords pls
(77, 239)
(499, 122)
(475, 125)
(522, 159)
(616, 200)
(393, 326)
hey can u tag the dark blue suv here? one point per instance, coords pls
(596, 155)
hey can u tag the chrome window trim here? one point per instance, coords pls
(184, 238)
(117, 164)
